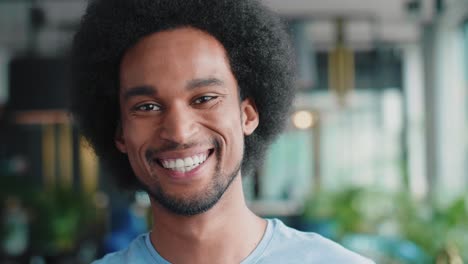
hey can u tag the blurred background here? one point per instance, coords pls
(375, 155)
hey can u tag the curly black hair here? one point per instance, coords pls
(257, 46)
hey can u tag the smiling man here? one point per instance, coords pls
(180, 98)
(181, 116)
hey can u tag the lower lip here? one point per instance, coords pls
(178, 175)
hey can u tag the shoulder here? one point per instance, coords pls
(136, 253)
(306, 247)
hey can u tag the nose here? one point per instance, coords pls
(179, 124)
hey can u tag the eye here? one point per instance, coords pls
(147, 107)
(204, 99)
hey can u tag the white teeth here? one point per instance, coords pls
(188, 162)
(180, 169)
(201, 158)
(179, 163)
(184, 165)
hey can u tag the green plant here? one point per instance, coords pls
(58, 217)
(363, 211)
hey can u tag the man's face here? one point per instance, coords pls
(183, 125)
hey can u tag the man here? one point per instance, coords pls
(179, 98)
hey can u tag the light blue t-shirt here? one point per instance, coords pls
(280, 244)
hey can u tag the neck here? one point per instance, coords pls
(229, 227)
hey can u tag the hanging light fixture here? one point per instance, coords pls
(341, 66)
(304, 119)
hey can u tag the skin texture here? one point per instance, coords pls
(178, 98)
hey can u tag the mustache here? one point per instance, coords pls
(152, 152)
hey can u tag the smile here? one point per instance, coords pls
(184, 164)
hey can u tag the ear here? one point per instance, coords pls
(250, 118)
(119, 139)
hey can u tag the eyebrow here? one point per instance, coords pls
(148, 90)
(204, 82)
(140, 91)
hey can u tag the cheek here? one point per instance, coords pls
(137, 131)
(224, 119)
(227, 125)
(136, 135)
(133, 140)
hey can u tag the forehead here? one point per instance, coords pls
(182, 54)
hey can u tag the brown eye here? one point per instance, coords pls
(148, 107)
(204, 99)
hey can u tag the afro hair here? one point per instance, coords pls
(254, 38)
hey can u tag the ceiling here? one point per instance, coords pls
(368, 21)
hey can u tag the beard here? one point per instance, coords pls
(198, 203)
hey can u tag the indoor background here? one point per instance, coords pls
(375, 155)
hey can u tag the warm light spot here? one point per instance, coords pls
(303, 119)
